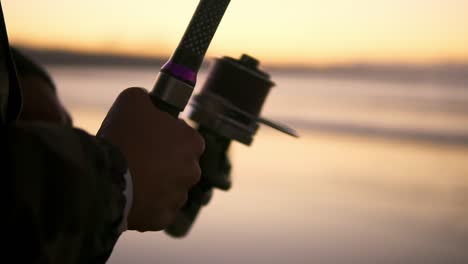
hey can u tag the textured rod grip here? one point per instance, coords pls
(200, 32)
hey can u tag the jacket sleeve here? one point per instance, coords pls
(64, 194)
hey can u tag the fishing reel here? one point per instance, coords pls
(227, 109)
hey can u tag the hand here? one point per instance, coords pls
(163, 156)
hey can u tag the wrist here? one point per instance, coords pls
(128, 193)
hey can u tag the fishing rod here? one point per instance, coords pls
(228, 107)
(177, 78)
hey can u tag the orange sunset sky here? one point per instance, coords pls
(299, 32)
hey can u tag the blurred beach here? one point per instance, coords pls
(378, 91)
(379, 175)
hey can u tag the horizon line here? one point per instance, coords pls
(282, 65)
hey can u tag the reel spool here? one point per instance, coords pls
(232, 98)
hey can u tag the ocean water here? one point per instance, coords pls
(379, 175)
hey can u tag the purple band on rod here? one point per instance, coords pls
(180, 72)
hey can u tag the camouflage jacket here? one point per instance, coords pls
(62, 188)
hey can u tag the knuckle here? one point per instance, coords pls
(166, 219)
(196, 173)
(193, 139)
(132, 93)
(182, 200)
(197, 142)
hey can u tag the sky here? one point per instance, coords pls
(293, 32)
